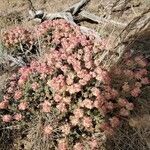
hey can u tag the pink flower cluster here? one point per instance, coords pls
(17, 35)
(134, 75)
(71, 87)
(57, 83)
(9, 118)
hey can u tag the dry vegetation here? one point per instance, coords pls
(134, 133)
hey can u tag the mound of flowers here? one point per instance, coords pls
(57, 34)
(84, 101)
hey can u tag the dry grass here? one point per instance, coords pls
(134, 134)
(129, 138)
(7, 138)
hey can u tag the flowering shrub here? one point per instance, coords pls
(132, 75)
(56, 34)
(83, 100)
(15, 36)
(17, 40)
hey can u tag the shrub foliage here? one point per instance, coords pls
(78, 101)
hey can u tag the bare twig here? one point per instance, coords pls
(16, 61)
(67, 14)
(76, 7)
(31, 7)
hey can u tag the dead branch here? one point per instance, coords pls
(31, 5)
(76, 7)
(70, 12)
(98, 19)
(65, 15)
(89, 31)
(15, 61)
(137, 25)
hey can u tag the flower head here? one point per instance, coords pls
(114, 121)
(35, 86)
(18, 117)
(74, 120)
(87, 122)
(78, 146)
(124, 112)
(93, 144)
(87, 103)
(61, 107)
(18, 95)
(62, 144)
(6, 118)
(48, 130)
(65, 129)
(78, 113)
(46, 106)
(135, 92)
(23, 106)
(4, 104)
